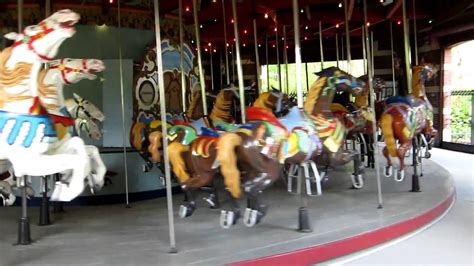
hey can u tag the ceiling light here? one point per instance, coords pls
(301, 10)
(306, 27)
(340, 5)
(266, 15)
(337, 25)
(200, 26)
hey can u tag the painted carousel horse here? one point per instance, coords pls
(86, 116)
(28, 136)
(76, 112)
(358, 117)
(332, 131)
(220, 116)
(405, 118)
(253, 156)
(142, 132)
(193, 154)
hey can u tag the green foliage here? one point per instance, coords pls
(461, 107)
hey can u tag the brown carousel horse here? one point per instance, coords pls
(141, 133)
(332, 131)
(193, 154)
(408, 119)
(358, 118)
(253, 156)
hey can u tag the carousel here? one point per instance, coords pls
(214, 132)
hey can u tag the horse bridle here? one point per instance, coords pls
(30, 39)
(64, 70)
(80, 106)
(279, 95)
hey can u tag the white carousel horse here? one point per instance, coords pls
(85, 115)
(28, 138)
(79, 110)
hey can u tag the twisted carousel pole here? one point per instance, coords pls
(337, 50)
(224, 22)
(414, 33)
(406, 43)
(240, 74)
(201, 71)
(321, 51)
(122, 102)
(161, 89)
(268, 66)
(394, 89)
(348, 36)
(364, 55)
(372, 106)
(285, 60)
(181, 57)
(277, 54)
(257, 57)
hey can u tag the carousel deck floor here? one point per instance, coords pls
(115, 235)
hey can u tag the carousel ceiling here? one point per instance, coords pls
(271, 15)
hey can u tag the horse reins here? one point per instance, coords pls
(66, 70)
(29, 40)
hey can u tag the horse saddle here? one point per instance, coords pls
(198, 125)
(294, 119)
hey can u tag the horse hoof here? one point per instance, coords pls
(250, 217)
(228, 218)
(388, 171)
(400, 175)
(211, 200)
(428, 155)
(185, 211)
(357, 181)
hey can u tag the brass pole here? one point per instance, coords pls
(348, 36)
(224, 22)
(240, 74)
(201, 71)
(181, 56)
(257, 58)
(321, 52)
(299, 72)
(406, 39)
(161, 89)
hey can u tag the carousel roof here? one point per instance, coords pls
(273, 15)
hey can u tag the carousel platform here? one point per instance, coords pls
(343, 221)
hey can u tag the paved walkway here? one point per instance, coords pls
(448, 242)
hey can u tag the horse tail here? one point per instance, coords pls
(175, 150)
(387, 130)
(136, 135)
(227, 157)
(155, 145)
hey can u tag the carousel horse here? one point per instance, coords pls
(141, 133)
(405, 118)
(75, 114)
(220, 117)
(86, 116)
(332, 131)
(193, 154)
(358, 117)
(253, 156)
(28, 136)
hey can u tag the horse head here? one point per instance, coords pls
(87, 116)
(74, 70)
(41, 42)
(342, 81)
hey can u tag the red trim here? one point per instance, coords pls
(33, 38)
(257, 113)
(65, 121)
(352, 244)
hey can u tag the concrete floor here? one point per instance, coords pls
(448, 242)
(114, 235)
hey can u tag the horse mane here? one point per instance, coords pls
(221, 109)
(418, 88)
(194, 103)
(263, 101)
(12, 77)
(313, 94)
(47, 91)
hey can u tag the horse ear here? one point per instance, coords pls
(13, 36)
(77, 97)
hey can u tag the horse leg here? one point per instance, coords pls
(230, 217)
(187, 208)
(253, 188)
(389, 168)
(415, 182)
(356, 177)
(405, 145)
(98, 169)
